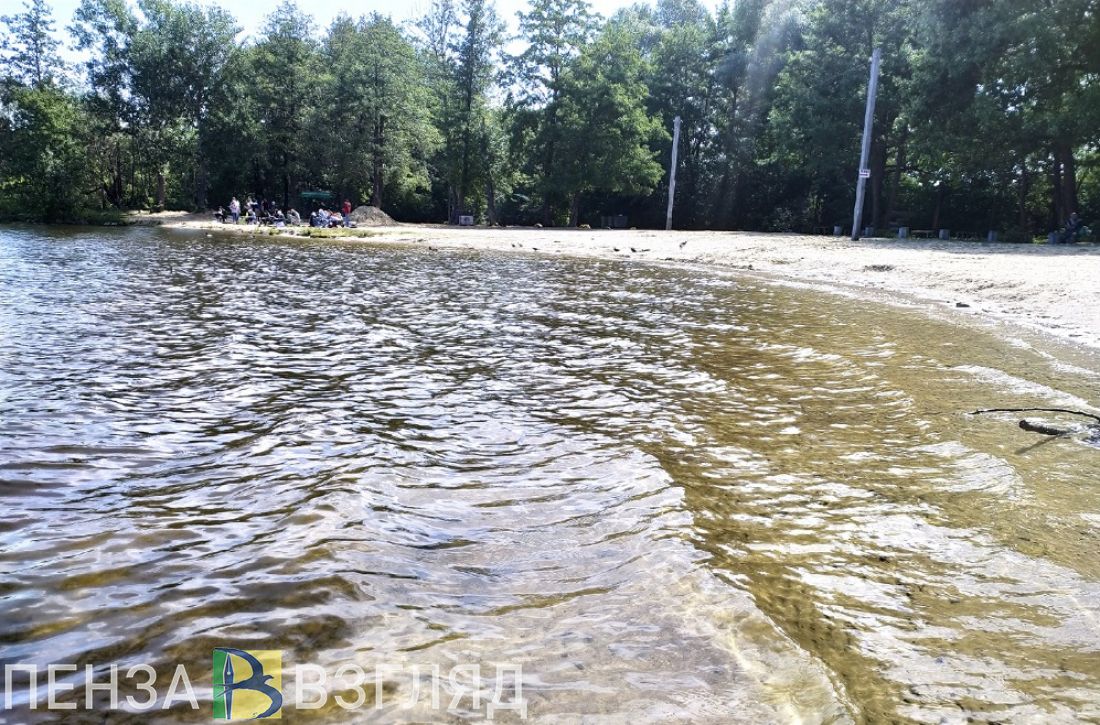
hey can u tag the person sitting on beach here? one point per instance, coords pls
(220, 215)
(293, 218)
(1074, 230)
(252, 216)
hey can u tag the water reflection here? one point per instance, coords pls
(668, 495)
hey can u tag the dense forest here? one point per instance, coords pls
(988, 114)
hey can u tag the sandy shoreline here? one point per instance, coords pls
(1050, 290)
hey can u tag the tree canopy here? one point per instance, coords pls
(988, 114)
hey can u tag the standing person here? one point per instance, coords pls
(235, 210)
(347, 213)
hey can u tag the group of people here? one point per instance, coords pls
(266, 212)
(1074, 231)
(327, 219)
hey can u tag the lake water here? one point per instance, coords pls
(666, 495)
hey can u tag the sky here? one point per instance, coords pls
(250, 13)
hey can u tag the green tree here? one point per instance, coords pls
(606, 131)
(282, 77)
(42, 163)
(817, 120)
(555, 32)
(42, 126)
(377, 109)
(28, 48)
(178, 56)
(467, 154)
(1022, 74)
(684, 83)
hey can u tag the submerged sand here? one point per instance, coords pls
(1053, 290)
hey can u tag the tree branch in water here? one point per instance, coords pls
(1038, 410)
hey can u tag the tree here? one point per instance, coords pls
(606, 130)
(474, 75)
(684, 83)
(817, 121)
(42, 172)
(42, 126)
(177, 57)
(28, 49)
(1021, 72)
(376, 109)
(555, 32)
(282, 75)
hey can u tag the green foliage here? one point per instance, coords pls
(28, 48)
(555, 31)
(43, 156)
(374, 120)
(988, 114)
(606, 131)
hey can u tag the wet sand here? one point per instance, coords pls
(1050, 290)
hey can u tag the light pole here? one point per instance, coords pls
(865, 154)
(672, 173)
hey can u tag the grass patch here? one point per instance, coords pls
(318, 233)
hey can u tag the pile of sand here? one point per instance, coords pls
(371, 216)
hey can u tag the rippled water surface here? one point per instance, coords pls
(667, 494)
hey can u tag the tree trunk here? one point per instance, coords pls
(286, 180)
(117, 181)
(1024, 187)
(901, 160)
(1057, 213)
(378, 170)
(491, 201)
(452, 205)
(878, 179)
(575, 210)
(940, 191)
(376, 191)
(162, 200)
(1069, 180)
(200, 181)
(548, 169)
(464, 172)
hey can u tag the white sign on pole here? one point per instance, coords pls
(865, 173)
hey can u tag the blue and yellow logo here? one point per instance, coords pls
(248, 684)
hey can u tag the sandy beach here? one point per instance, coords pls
(1053, 291)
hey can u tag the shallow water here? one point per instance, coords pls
(666, 494)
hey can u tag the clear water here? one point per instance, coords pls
(668, 495)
